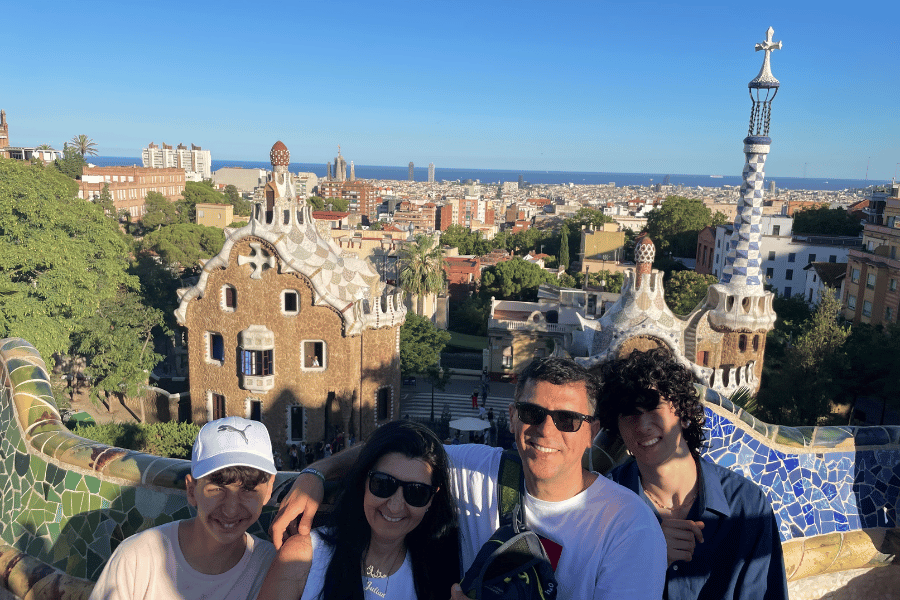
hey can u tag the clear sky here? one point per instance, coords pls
(630, 86)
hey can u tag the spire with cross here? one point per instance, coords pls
(765, 79)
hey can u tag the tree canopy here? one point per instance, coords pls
(159, 212)
(338, 204)
(62, 257)
(674, 226)
(197, 192)
(84, 145)
(686, 289)
(465, 240)
(514, 279)
(421, 344)
(71, 164)
(826, 221)
(184, 244)
(242, 208)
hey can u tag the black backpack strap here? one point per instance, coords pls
(510, 486)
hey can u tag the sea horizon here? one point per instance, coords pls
(495, 176)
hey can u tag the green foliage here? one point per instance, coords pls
(872, 368)
(117, 342)
(514, 279)
(465, 240)
(564, 247)
(84, 145)
(197, 192)
(809, 379)
(338, 204)
(422, 269)
(158, 212)
(170, 440)
(470, 316)
(376, 225)
(590, 217)
(793, 313)
(674, 226)
(686, 289)
(105, 201)
(242, 208)
(826, 221)
(316, 202)
(184, 244)
(421, 344)
(159, 285)
(71, 164)
(61, 257)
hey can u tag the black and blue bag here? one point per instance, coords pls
(512, 564)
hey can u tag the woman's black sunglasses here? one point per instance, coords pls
(415, 493)
(565, 420)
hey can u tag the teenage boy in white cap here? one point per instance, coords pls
(210, 555)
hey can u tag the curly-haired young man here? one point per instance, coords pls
(721, 534)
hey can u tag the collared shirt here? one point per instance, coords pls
(741, 556)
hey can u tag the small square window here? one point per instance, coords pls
(313, 354)
(776, 230)
(792, 256)
(290, 302)
(217, 402)
(771, 255)
(789, 274)
(854, 275)
(867, 308)
(811, 258)
(229, 298)
(832, 258)
(255, 410)
(770, 272)
(851, 302)
(870, 281)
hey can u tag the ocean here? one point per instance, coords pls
(535, 177)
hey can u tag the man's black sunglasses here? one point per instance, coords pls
(416, 494)
(565, 420)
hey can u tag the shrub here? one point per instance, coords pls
(170, 440)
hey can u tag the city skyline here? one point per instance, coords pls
(647, 87)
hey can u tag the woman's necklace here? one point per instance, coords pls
(374, 573)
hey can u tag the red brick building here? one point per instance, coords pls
(361, 195)
(706, 248)
(129, 186)
(463, 276)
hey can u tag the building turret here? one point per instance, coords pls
(728, 348)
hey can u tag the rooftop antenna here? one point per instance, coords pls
(867, 167)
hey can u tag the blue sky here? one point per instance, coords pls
(653, 87)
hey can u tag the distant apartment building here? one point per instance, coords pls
(430, 172)
(306, 183)
(361, 196)
(821, 276)
(602, 250)
(196, 162)
(510, 187)
(215, 215)
(129, 186)
(469, 212)
(421, 217)
(706, 250)
(785, 255)
(791, 206)
(873, 270)
(245, 180)
(4, 134)
(411, 172)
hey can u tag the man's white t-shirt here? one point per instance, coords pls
(150, 566)
(609, 543)
(398, 585)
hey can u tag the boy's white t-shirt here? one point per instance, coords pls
(150, 566)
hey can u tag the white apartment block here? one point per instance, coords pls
(306, 184)
(784, 256)
(196, 162)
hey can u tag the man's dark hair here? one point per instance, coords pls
(625, 383)
(247, 477)
(558, 371)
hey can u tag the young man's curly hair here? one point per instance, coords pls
(632, 383)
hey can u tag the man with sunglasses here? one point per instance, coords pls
(602, 540)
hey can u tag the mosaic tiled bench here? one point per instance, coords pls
(67, 501)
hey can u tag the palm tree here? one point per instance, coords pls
(84, 145)
(44, 147)
(422, 270)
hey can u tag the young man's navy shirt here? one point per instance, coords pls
(740, 556)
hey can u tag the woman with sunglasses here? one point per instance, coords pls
(392, 533)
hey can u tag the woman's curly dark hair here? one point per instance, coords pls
(625, 383)
(349, 532)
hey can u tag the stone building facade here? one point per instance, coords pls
(283, 328)
(129, 186)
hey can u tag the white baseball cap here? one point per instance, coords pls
(232, 442)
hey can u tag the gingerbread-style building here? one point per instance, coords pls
(282, 328)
